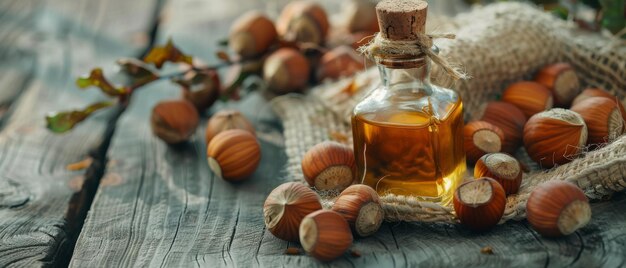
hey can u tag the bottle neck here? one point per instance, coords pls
(400, 73)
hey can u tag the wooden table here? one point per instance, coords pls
(143, 203)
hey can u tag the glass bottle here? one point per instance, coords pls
(408, 133)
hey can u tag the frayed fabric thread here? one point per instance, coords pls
(381, 46)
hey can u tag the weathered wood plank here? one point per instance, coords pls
(16, 62)
(165, 205)
(35, 187)
(161, 206)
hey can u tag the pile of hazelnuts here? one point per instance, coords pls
(294, 212)
(302, 47)
(282, 54)
(534, 114)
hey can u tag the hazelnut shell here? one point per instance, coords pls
(174, 121)
(329, 166)
(530, 97)
(340, 62)
(501, 167)
(252, 34)
(561, 79)
(286, 206)
(592, 92)
(557, 208)
(203, 95)
(286, 70)
(479, 204)
(509, 119)
(225, 120)
(303, 21)
(603, 118)
(360, 205)
(481, 138)
(325, 235)
(555, 137)
(234, 154)
(361, 16)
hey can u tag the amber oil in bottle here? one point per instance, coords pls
(408, 133)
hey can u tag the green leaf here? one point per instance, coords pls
(60, 122)
(96, 79)
(158, 55)
(613, 15)
(139, 73)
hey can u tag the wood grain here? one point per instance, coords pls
(42, 53)
(161, 206)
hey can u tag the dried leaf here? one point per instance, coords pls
(64, 121)
(487, 250)
(80, 165)
(222, 55)
(292, 251)
(96, 78)
(351, 88)
(138, 71)
(158, 55)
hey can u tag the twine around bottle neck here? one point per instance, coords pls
(380, 46)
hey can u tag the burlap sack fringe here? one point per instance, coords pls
(504, 42)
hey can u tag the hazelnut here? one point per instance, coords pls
(592, 92)
(286, 206)
(340, 62)
(602, 117)
(303, 21)
(555, 136)
(561, 79)
(360, 206)
(479, 204)
(481, 138)
(203, 89)
(530, 97)
(286, 70)
(225, 120)
(174, 121)
(252, 34)
(361, 16)
(234, 154)
(595, 92)
(329, 166)
(325, 235)
(557, 208)
(501, 167)
(509, 119)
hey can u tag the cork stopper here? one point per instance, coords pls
(401, 20)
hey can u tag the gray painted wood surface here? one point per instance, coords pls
(159, 205)
(45, 46)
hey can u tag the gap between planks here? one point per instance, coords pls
(80, 202)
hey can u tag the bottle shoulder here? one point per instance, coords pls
(381, 104)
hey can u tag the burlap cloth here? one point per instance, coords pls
(496, 45)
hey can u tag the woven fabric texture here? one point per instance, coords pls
(496, 45)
